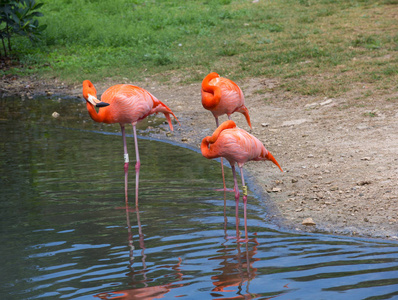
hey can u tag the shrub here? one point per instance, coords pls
(18, 17)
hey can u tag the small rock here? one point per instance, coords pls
(299, 209)
(308, 222)
(365, 158)
(294, 122)
(364, 182)
(366, 219)
(362, 127)
(184, 140)
(55, 114)
(264, 124)
(169, 134)
(294, 180)
(326, 102)
(310, 156)
(276, 190)
(311, 105)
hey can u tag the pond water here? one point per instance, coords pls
(65, 231)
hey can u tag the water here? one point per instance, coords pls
(64, 232)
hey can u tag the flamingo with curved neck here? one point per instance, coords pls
(237, 146)
(223, 96)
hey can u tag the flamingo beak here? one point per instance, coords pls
(102, 104)
(94, 101)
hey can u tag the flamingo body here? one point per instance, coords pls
(237, 146)
(127, 104)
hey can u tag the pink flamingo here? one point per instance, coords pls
(223, 96)
(237, 146)
(123, 104)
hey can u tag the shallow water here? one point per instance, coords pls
(65, 235)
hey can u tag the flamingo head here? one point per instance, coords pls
(90, 94)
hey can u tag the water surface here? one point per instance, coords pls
(64, 229)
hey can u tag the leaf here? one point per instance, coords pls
(38, 5)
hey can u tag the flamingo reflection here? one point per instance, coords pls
(146, 292)
(236, 269)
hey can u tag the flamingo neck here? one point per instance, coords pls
(211, 95)
(97, 117)
(205, 146)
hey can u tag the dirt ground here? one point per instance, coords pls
(339, 155)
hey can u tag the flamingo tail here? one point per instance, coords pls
(243, 110)
(270, 157)
(163, 108)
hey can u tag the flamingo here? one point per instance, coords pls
(237, 146)
(123, 104)
(223, 96)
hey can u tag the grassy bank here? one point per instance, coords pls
(313, 47)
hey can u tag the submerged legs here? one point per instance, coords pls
(126, 164)
(244, 204)
(137, 165)
(237, 195)
(236, 188)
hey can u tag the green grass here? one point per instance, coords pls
(313, 47)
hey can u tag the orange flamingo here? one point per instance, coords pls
(237, 146)
(223, 96)
(123, 104)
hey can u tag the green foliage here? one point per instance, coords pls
(295, 41)
(18, 17)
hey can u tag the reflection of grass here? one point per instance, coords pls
(314, 47)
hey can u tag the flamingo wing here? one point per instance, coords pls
(128, 104)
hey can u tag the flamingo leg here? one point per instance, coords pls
(225, 214)
(126, 164)
(130, 236)
(141, 238)
(236, 188)
(244, 204)
(137, 165)
(222, 164)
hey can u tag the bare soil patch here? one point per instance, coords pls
(339, 155)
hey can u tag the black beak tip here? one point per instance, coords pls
(102, 104)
